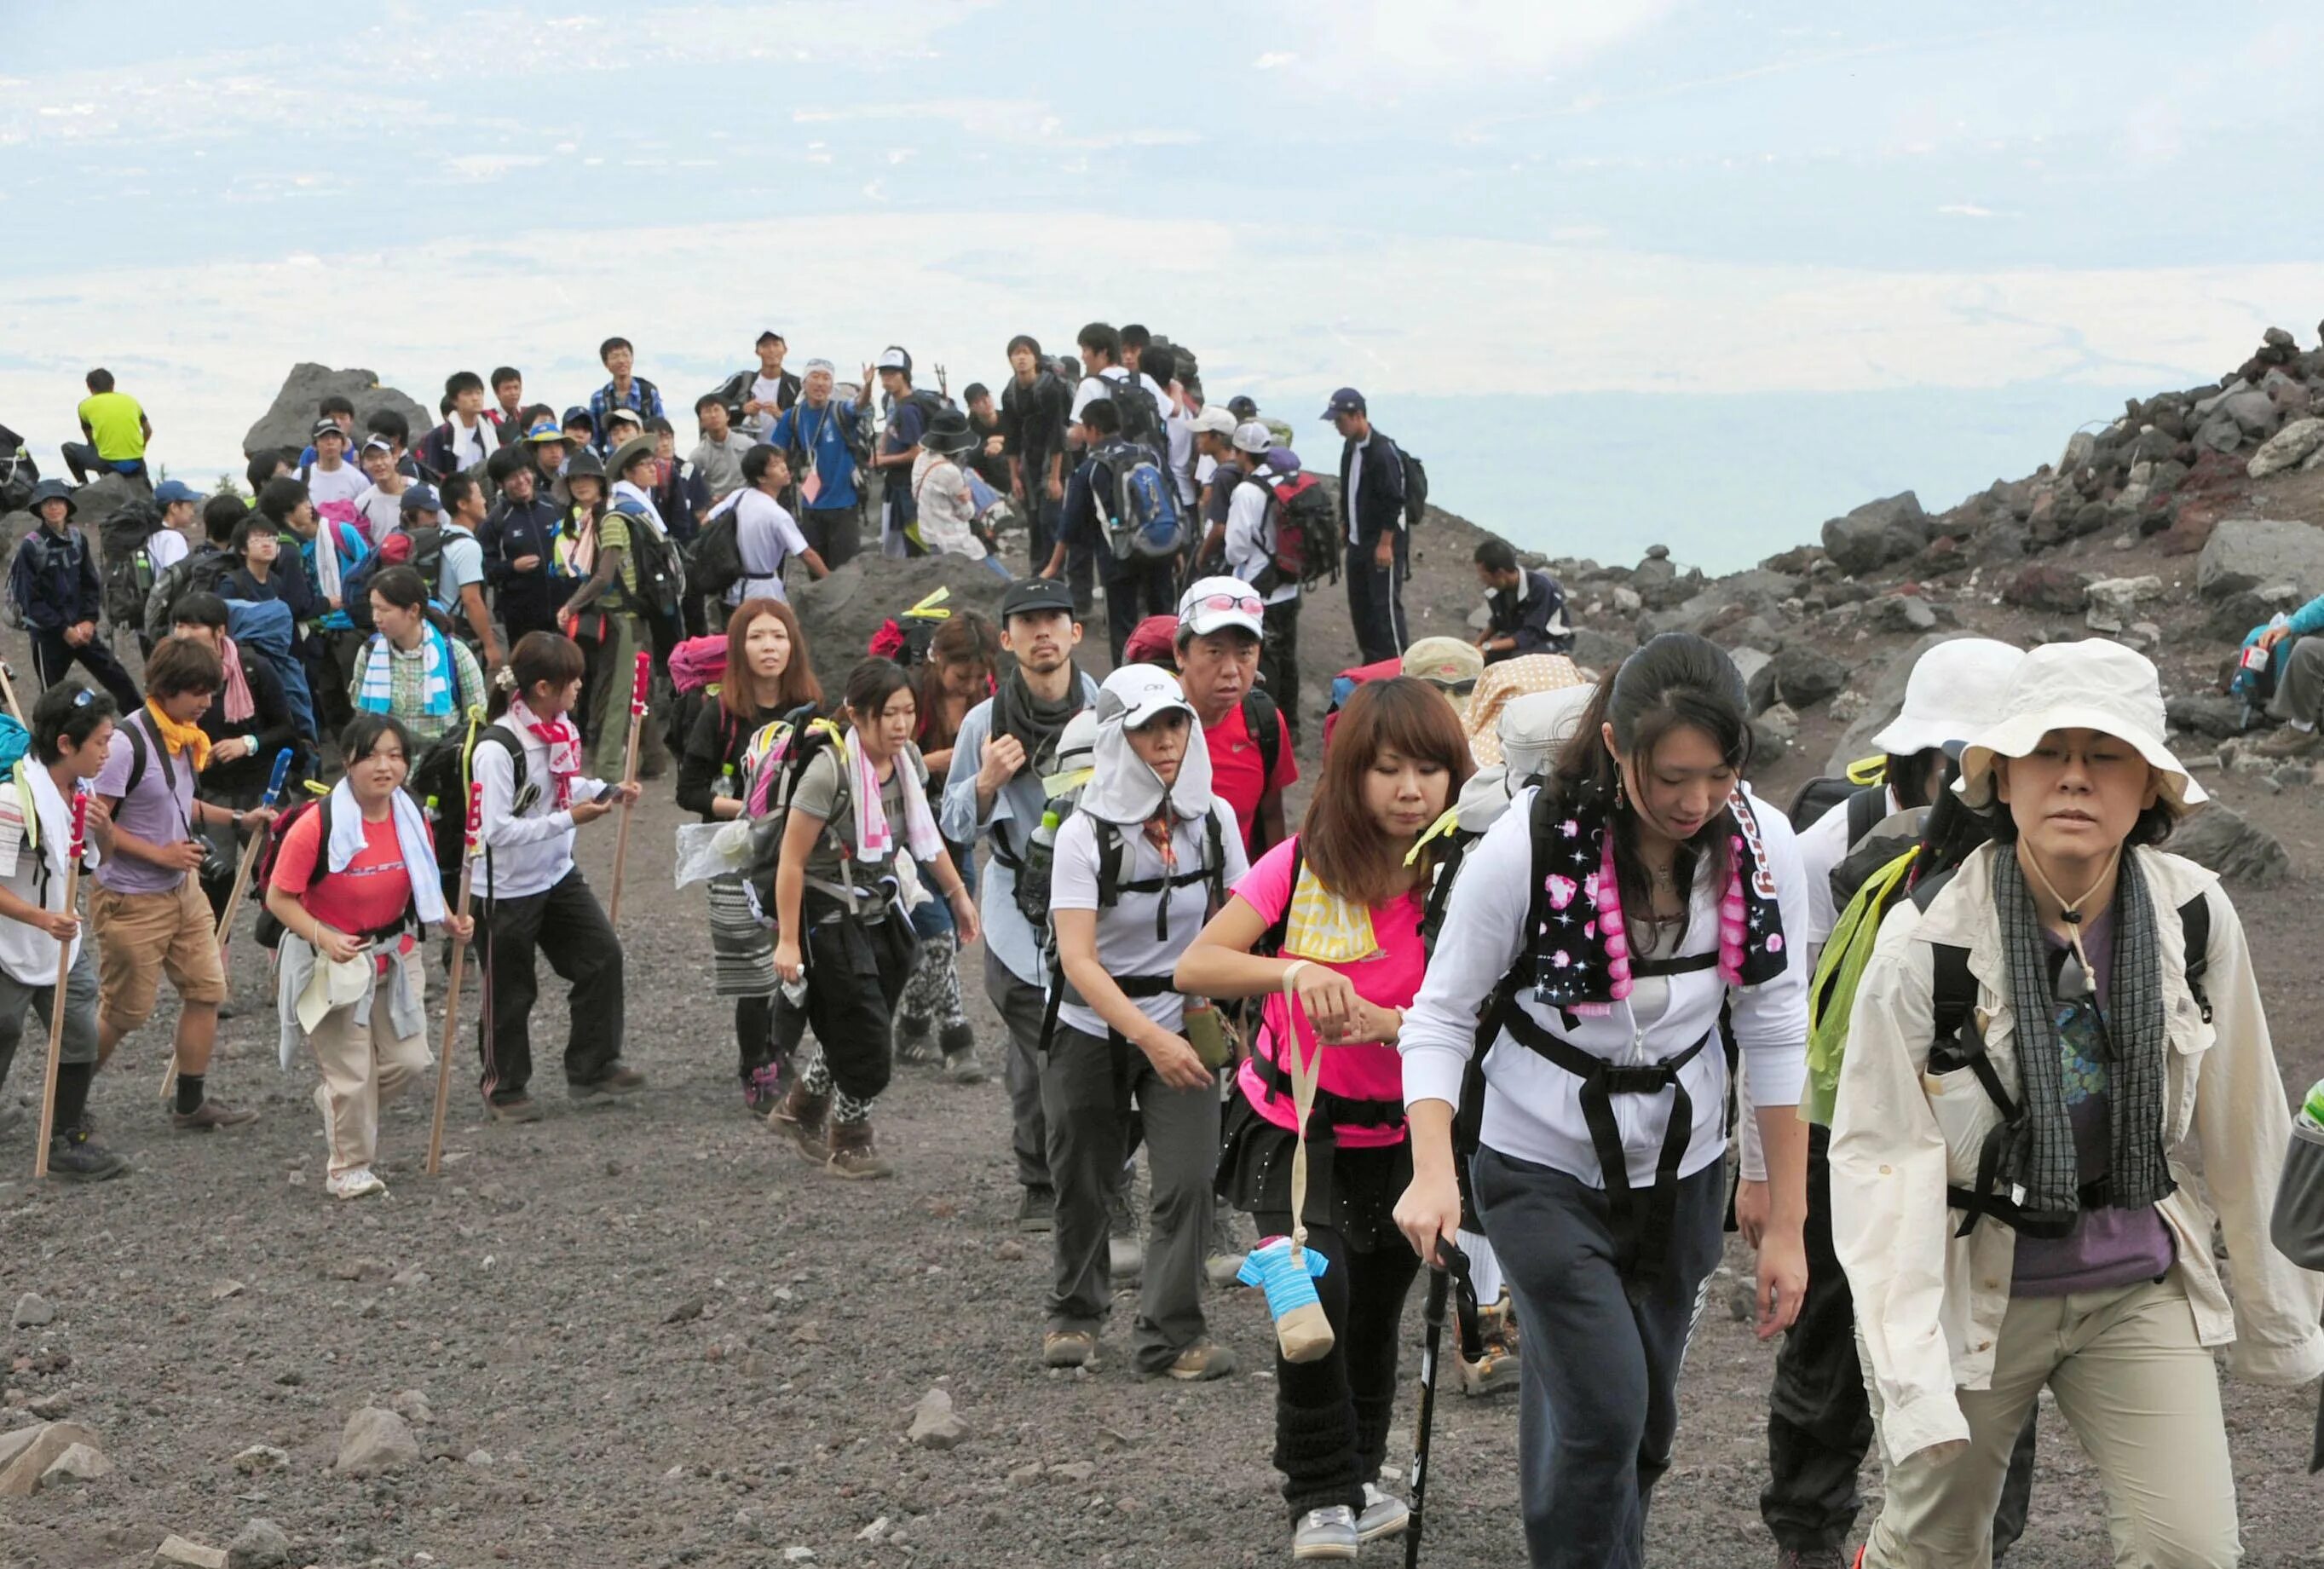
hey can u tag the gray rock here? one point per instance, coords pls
(376, 1440)
(844, 610)
(177, 1552)
(1658, 552)
(2114, 601)
(412, 1406)
(1904, 612)
(1626, 601)
(1600, 651)
(2079, 447)
(259, 1544)
(2206, 406)
(2247, 552)
(1803, 678)
(2220, 433)
(2288, 447)
(26, 1455)
(1782, 721)
(33, 1311)
(1758, 678)
(1877, 534)
(78, 1463)
(293, 415)
(261, 1457)
(935, 1424)
(2254, 410)
(2220, 839)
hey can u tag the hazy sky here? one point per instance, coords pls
(1489, 215)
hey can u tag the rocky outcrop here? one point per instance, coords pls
(2251, 553)
(290, 419)
(1893, 529)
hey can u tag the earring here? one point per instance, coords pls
(1620, 800)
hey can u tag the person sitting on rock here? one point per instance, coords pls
(1526, 606)
(2299, 700)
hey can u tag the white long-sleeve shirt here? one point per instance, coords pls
(1533, 1108)
(1249, 550)
(531, 852)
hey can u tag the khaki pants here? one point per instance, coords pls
(2141, 1393)
(364, 1065)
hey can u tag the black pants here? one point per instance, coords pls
(53, 659)
(855, 971)
(565, 924)
(1021, 1006)
(1818, 1417)
(1597, 1392)
(1279, 660)
(1331, 1415)
(82, 459)
(1145, 589)
(832, 533)
(1376, 599)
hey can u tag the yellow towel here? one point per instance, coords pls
(1325, 927)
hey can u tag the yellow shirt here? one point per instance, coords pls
(116, 424)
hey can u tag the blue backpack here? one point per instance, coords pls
(1143, 522)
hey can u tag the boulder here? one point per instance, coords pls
(1904, 612)
(2220, 839)
(1599, 651)
(841, 612)
(2247, 552)
(935, 1424)
(2219, 433)
(177, 1552)
(2046, 586)
(78, 1463)
(2206, 713)
(1755, 666)
(26, 1455)
(2286, 449)
(290, 419)
(1877, 534)
(2114, 601)
(33, 1311)
(259, 1544)
(1804, 677)
(2254, 410)
(376, 1440)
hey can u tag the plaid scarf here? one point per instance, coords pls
(2041, 1165)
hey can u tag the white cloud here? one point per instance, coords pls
(1394, 46)
(484, 166)
(1966, 209)
(1270, 61)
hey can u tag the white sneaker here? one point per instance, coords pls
(358, 1182)
(1326, 1533)
(1384, 1515)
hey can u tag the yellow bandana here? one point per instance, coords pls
(1325, 927)
(179, 738)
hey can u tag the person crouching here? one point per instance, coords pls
(353, 879)
(1143, 862)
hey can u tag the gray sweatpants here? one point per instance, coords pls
(1598, 1381)
(1087, 1085)
(2299, 690)
(18, 1003)
(1020, 1007)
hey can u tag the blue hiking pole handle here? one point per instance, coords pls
(282, 772)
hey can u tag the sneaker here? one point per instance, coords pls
(1492, 1373)
(914, 1045)
(522, 1109)
(853, 1154)
(2289, 741)
(962, 1068)
(1202, 1362)
(211, 1114)
(356, 1182)
(1037, 1211)
(1385, 1514)
(1327, 1533)
(74, 1156)
(1068, 1348)
(618, 1079)
(1809, 1558)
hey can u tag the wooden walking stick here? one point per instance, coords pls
(64, 974)
(8, 690)
(630, 776)
(459, 963)
(224, 934)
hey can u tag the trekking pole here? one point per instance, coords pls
(224, 934)
(8, 690)
(630, 776)
(452, 992)
(64, 974)
(1440, 1280)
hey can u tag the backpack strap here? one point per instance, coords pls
(1271, 941)
(1865, 807)
(1263, 719)
(2195, 925)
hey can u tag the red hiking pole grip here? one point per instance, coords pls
(644, 682)
(80, 824)
(475, 812)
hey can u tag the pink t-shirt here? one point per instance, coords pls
(1368, 1072)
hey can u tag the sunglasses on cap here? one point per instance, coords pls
(1247, 603)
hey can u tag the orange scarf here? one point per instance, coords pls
(179, 738)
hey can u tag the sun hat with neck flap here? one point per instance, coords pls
(2092, 685)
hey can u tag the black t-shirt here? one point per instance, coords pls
(993, 466)
(1223, 480)
(1033, 422)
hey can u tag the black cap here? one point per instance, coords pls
(1035, 595)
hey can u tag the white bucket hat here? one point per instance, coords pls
(1954, 691)
(2093, 685)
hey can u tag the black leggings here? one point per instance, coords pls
(1331, 1415)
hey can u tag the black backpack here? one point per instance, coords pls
(661, 575)
(1141, 416)
(1416, 488)
(713, 562)
(1867, 802)
(440, 781)
(1112, 847)
(128, 569)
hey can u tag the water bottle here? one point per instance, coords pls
(726, 789)
(2311, 1111)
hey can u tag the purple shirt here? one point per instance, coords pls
(153, 811)
(2107, 1247)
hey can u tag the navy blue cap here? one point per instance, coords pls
(175, 490)
(1346, 401)
(422, 498)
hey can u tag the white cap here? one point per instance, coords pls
(2093, 685)
(1953, 692)
(1139, 695)
(894, 359)
(1252, 436)
(1214, 420)
(1212, 603)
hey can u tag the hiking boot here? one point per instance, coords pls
(1327, 1533)
(522, 1109)
(1385, 1514)
(1492, 1373)
(2291, 741)
(958, 1044)
(356, 1182)
(74, 1156)
(799, 1117)
(1202, 1362)
(853, 1155)
(211, 1114)
(618, 1082)
(912, 1042)
(1068, 1348)
(1809, 1558)
(1037, 1211)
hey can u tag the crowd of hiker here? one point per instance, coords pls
(1489, 1012)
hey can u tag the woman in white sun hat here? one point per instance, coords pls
(2043, 1049)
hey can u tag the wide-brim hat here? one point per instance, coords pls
(2093, 685)
(584, 463)
(628, 452)
(949, 432)
(52, 489)
(1955, 690)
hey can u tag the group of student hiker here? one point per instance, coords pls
(1494, 1004)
